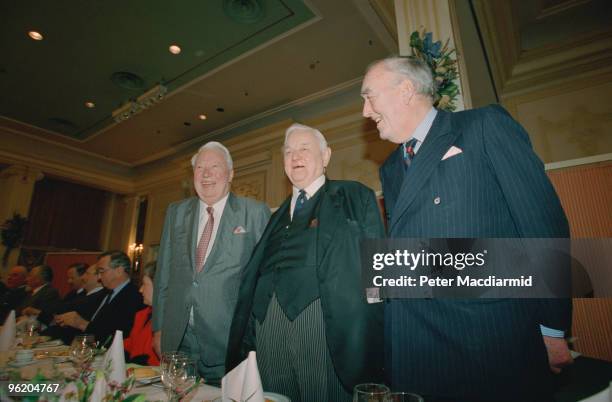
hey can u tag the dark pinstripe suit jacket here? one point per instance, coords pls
(479, 349)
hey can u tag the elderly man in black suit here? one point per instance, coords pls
(119, 306)
(315, 334)
(470, 174)
(15, 292)
(42, 294)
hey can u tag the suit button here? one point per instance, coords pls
(437, 200)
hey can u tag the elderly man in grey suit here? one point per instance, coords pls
(206, 242)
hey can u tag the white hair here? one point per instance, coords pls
(318, 135)
(218, 147)
(417, 71)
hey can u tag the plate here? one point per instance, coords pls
(276, 397)
(17, 364)
(146, 374)
(48, 344)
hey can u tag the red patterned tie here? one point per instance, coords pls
(204, 240)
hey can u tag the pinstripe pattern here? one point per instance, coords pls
(293, 357)
(495, 188)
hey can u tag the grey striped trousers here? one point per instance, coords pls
(293, 357)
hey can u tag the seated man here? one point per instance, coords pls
(74, 273)
(15, 292)
(119, 306)
(42, 293)
(85, 304)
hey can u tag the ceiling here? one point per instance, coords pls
(240, 60)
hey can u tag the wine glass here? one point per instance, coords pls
(166, 363)
(29, 335)
(403, 397)
(182, 375)
(82, 350)
(370, 393)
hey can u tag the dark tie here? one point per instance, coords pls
(204, 240)
(299, 203)
(408, 152)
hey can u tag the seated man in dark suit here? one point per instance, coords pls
(85, 304)
(119, 306)
(43, 294)
(16, 292)
(77, 293)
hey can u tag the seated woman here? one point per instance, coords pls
(139, 345)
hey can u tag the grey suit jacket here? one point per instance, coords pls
(212, 292)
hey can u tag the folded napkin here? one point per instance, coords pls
(100, 388)
(70, 393)
(7, 333)
(243, 382)
(117, 359)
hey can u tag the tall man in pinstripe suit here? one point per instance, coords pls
(471, 174)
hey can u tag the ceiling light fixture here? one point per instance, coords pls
(174, 49)
(202, 117)
(90, 105)
(35, 35)
(144, 101)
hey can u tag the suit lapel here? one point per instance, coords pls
(438, 141)
(394, 172)
(328, 218)
(192, 215)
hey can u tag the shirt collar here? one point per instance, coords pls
(94, 290)
(423, 128)
(217, 206)
(311, 189)
(118, 289)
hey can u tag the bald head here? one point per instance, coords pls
(16, 276)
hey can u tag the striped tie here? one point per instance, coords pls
(204, 240)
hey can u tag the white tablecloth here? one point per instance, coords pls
(204, 393)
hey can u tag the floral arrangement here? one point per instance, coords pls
(443, 67)
(12, 232)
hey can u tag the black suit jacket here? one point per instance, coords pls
(84, 305)
(496, 187)
(347, 213)
(46, 297)
(12, 299)
(116, 315)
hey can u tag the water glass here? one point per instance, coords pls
(82, 350)
(370, 393)
(404, 397)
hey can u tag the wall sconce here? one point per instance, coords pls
(144, 101)
(136, 254)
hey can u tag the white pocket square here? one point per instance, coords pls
(239, 230)
(452, 151)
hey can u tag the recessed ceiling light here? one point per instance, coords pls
(174, 49)
(35, 35)
(202, 117)
(90, 105)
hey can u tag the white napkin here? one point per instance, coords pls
(100, 388)
(7, 333)
(243, 382)
(117, 359)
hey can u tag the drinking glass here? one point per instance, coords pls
(30, 332)
(370, 393)
(82, 350)
(183, 375)
(166, 364)
(404, 397)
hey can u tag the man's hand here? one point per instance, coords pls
(157, 343)
(558, 353)
(72, 319)
(30, 311)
